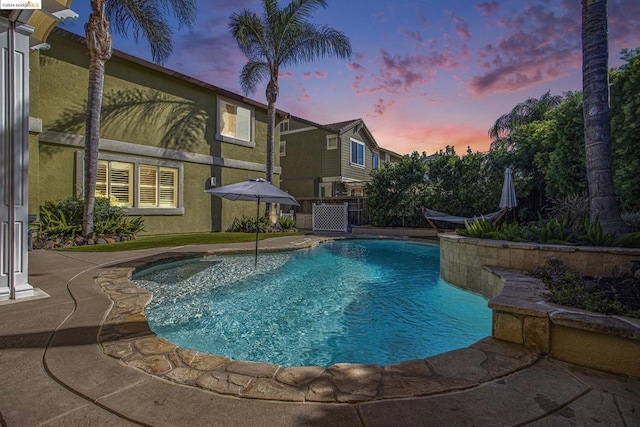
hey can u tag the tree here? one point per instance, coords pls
(146, 19)
(625, 129)
(597, 121)
(522, 114)
(465, 185)
(565, 171)
(281, 37)
(395, 193)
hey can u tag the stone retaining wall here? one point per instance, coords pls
(462, 259)
(521, 314)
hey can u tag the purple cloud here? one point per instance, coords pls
(488, 8)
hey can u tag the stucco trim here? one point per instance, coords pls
(157, 152)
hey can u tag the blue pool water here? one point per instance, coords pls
(348, 301)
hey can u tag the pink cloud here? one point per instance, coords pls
(381, 106)
(354, 66)
(462, 29)
(321, 74)
(401, 73)
(306, 74)
(541, 45)
(285, 75)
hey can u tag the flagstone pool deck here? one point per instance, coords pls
(54, 371)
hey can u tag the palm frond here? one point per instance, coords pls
(148, 20)
(253, 73)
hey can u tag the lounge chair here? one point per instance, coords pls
(433, 216)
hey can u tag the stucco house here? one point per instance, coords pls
(329, 160)
(165, 138)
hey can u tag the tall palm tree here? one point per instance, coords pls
(281, 37)
(147, 19)
(597, 120)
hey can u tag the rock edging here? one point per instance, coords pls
(125, 335)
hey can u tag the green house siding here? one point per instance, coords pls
(349, 170)
(331, 158)
(150, 116)
(300, 165)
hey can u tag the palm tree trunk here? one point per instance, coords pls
(272, 96)
(98, 39)
(597, 121)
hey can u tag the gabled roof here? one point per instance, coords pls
(341, 127)
(150, 65)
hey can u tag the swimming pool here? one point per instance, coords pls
(347, 301)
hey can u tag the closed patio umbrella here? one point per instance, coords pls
(257, 190)
(508, 199)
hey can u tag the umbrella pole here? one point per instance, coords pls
(255, 262)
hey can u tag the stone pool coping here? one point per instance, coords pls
(522, 315)
(125, 335)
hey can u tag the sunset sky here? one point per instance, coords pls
(424, 73)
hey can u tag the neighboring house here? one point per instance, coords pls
(329, 160)
(165, 138)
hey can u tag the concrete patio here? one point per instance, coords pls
(54, 372)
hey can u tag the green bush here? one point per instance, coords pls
(248, 225)
(63, 220)
(481, 228)
(629, 240)
(567, 287)
(287, 223)
(631, 221)
(511, 231)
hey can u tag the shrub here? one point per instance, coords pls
(248, 225)
(62, 221)
(566, 287)
(631, 221)
(574, 206)
(629, 240)
(480, 228)
(287, 223)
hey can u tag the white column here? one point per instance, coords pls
(14, 160)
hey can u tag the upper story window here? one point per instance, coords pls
(235, 121)
(283, 148)
(332, 142)
(284, 126)
(376, 160)
(357, 153)
(387, 158)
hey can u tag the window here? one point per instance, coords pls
(325, 190)
(235, 121)
(157, 187)
(357, 153)
(376, 160)
(284, 126)
(152, 187)
(332, 142)
(387, 158)
(283, 148)
(114, 180)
